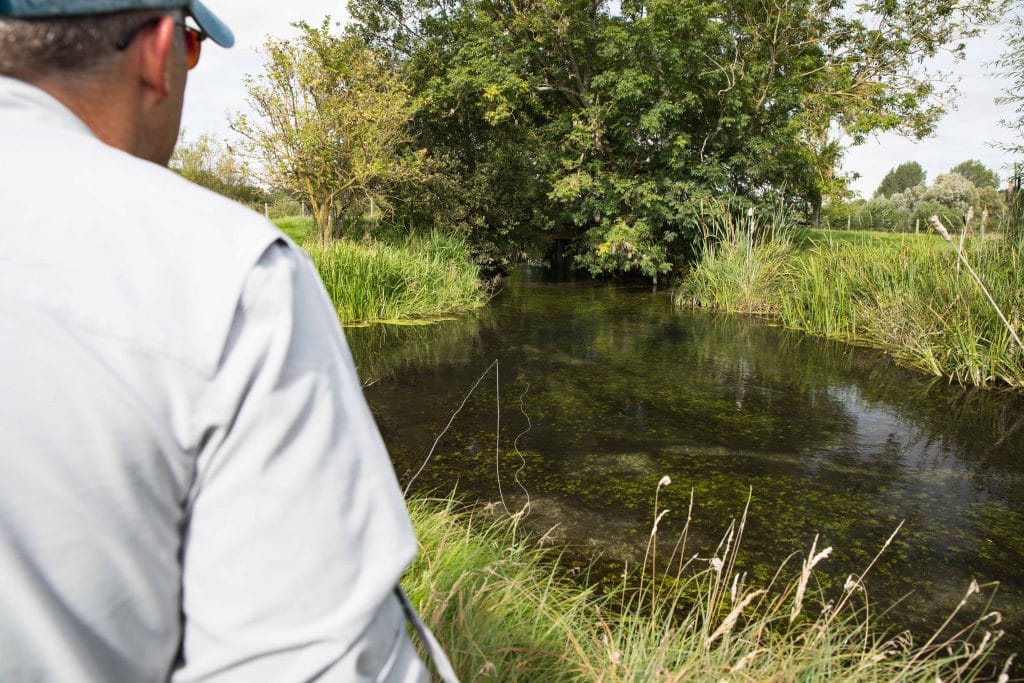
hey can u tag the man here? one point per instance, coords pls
(191, 484)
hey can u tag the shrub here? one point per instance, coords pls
(882, 215)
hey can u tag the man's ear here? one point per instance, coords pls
(156, 53)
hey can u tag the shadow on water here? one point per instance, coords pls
(621, 389)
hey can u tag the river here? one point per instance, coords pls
(604, 389)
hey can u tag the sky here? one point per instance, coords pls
(216, 89)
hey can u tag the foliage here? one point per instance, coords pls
(977, 172)
(949, 197)
(208, 162)
(838, 214)
(903, 177)
(993, 203)
(909, 198)
(949, 200)
(954, 192)
(502, 611)
(634, 116)
(330, 127)
(883, 215)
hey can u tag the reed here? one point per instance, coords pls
(425, 277)
(743, 263)
(910, 295)
(503, 611)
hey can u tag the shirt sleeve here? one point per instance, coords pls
(297, 530)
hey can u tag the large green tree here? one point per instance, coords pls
(330, 126)
(903, 177)
(624, 123)
(977, 172)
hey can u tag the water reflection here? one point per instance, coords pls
(621, 389)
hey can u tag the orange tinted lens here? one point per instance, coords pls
(192, 47)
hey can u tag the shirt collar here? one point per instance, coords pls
(26, 105)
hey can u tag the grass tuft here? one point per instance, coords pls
(910, 295)
(424, 277)
(502, 611)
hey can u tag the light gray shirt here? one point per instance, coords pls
(191, 484)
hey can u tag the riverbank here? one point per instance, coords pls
(422, 277)
(909, 295)
(502, 610)
(506, 611)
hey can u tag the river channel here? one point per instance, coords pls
(604, 389)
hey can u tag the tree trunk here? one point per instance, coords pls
(322, 216)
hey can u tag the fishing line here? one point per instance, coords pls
(525, 510)
(497, 437)
(444, 431)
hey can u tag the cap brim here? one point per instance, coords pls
(210, 24)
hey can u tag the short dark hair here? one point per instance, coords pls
(73, 44)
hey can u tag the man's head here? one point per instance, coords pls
(120, 65)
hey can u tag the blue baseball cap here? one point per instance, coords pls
(38, 9)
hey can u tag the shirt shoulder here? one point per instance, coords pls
(124, 248)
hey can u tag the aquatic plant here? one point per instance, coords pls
(941, 229)
(743, 263)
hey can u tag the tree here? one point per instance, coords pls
(903, 177)
(950, 196)
(977, 173)
(331, 125)
(209, 162)
(953, 190)
(636, 117)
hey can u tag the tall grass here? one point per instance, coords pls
(742, 265)
(503, 613)
(426, 276)
(908, 295)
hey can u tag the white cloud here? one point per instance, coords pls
(963, 134)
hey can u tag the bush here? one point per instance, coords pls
(882, 215)
(839, 215)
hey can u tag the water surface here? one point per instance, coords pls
(604, 389)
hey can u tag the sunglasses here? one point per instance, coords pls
(193, 39)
